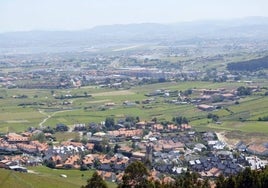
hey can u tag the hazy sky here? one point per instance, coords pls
(16, 15)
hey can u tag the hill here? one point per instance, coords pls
(44, 177)
(103, 36)
(250, 65)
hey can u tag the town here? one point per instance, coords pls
(159, 116)
(177, 104)
(166, 149)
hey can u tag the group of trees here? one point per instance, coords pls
(180, 120)
(214, 117)
(59, 128)
(187, 92)
(217, 98)
(129, 121)
(241, 91)
(265, 118)
(137, 175)
(39, 136)
(109, 123)
(103, 147)
(95, 181)
(251, 65)
(246, 179)
(84, 95)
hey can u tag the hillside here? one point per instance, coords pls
(110, 35)
(250, 65)
(44, 178)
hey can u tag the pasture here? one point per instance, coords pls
(41, 108)
(43, 177)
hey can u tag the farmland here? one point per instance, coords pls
(65, 114)
(40, 107)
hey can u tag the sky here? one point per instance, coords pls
(24, 15)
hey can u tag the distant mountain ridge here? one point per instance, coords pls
(252, 27)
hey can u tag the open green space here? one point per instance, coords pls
(40, 108)
(43, 177)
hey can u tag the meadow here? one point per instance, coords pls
(43, 177)
(40, 108)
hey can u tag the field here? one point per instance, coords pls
(40, 108)
(43, 177)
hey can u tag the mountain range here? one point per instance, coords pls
(41, 41)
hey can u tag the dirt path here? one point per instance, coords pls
(44, 120)
(230, 143)
(49, 116)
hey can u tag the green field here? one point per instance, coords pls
(43, 177)
(41, 108)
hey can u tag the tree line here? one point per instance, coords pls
(250, 65)
(136, 175)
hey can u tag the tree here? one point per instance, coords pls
(50, 163)
(116, 147)
(84, 140)
(188, 92)
(130, 119)
(161, 80)
(214, 117)
(109, 123)
(48, 129)
(206, 184)
(98, 147)
(83, 167)
(154, 119)
(217, 98)
(40, 137)
(135, 176)
(180, 120)
(61, 127)
(245, 179)
(95, 181)
(230, 183)
(243, 91)
(220, 181)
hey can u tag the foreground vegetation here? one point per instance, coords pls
(137, 176)
(43, 177)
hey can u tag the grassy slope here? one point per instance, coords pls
(45, 178)
(241, 117)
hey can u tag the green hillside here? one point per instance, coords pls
(45, 178)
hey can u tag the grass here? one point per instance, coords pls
(246, 127)
(16, 118)
(65, 136)
(44, 177)
(246, 137)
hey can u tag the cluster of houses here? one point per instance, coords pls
(203, 99)
(58, 71)
(170, 149)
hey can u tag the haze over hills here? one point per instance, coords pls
(100, 36)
